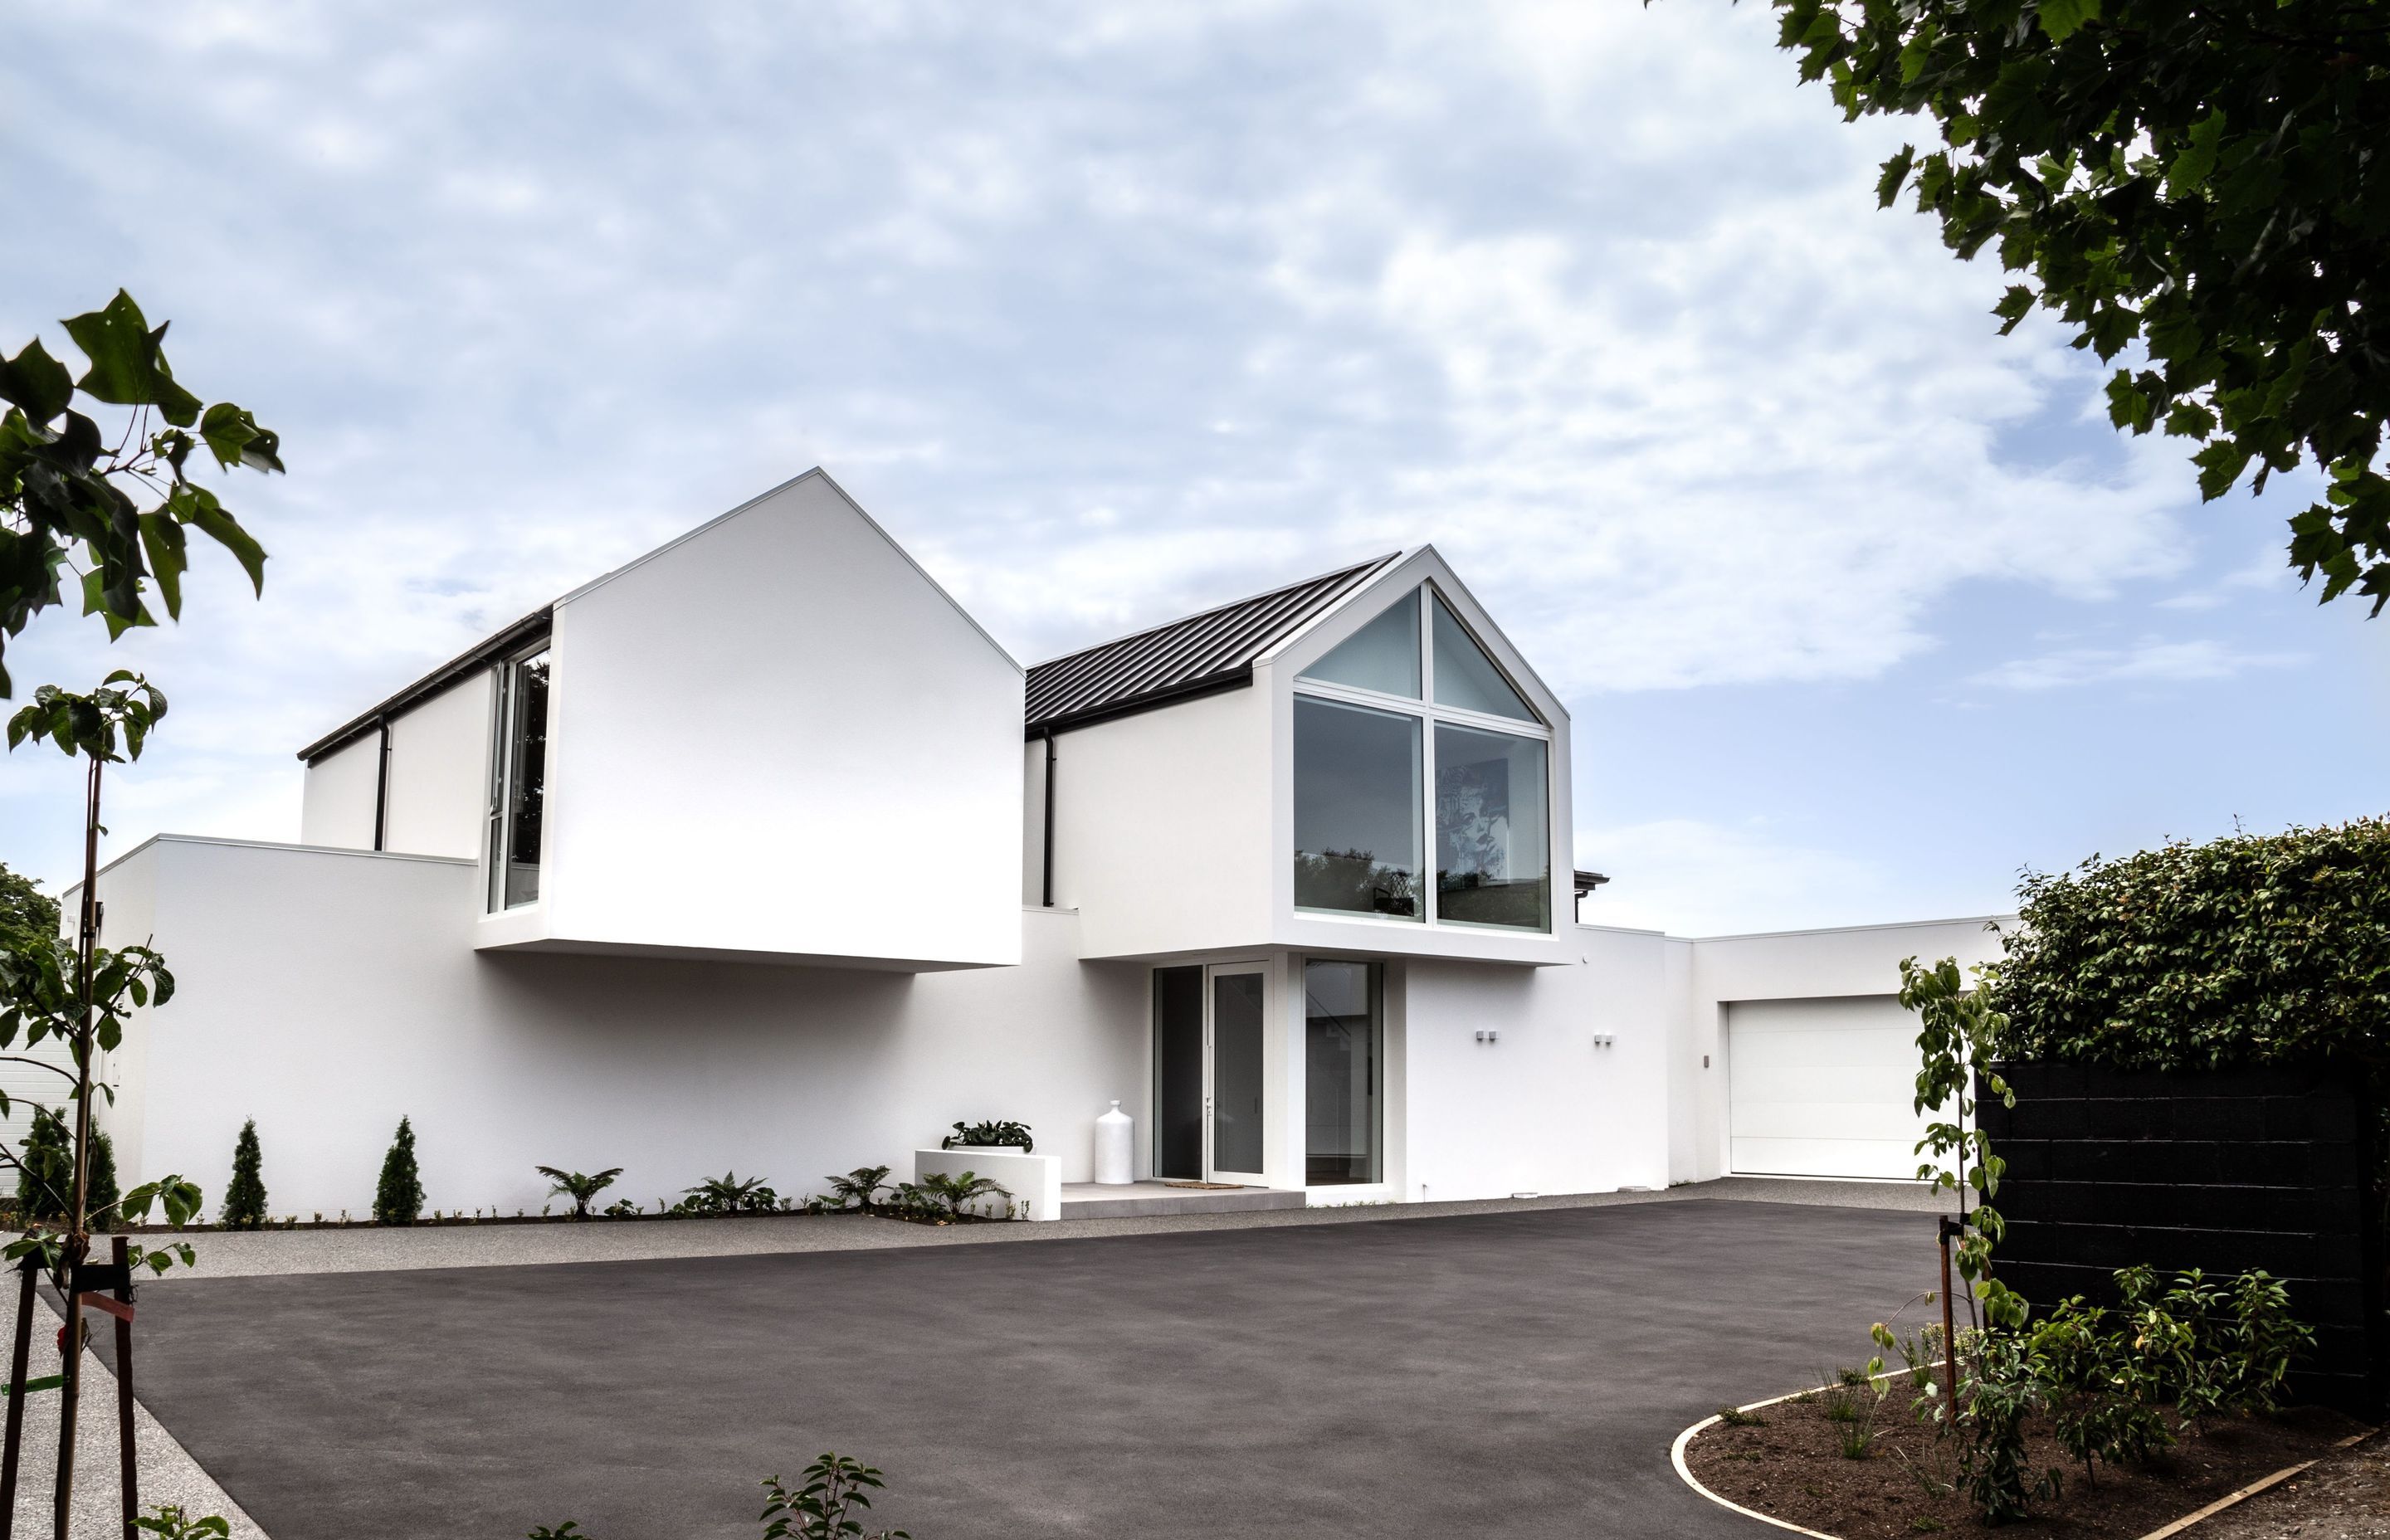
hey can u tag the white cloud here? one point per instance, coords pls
(1591, 296)
(1694, 878)
(2148, 661)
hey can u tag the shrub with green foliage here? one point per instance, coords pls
(2252, 949)
(995, 1133)
(169, 1521)
(47, 1170)
(29, 918)
(398, 1197)
(102, 1194)
(244, 1204)
(825, 1505)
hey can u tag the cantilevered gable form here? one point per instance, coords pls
(778, 738)
(775, 739)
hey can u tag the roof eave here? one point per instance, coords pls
(490, 650)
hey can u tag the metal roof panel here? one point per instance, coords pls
(1209, 650)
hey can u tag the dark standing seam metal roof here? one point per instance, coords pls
(523, 633)
(1204, 653)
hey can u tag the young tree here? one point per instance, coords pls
(244, 1204)
(2207, 181)
(114, 507)
(67, 489)
(80, 994)
(398, 1198)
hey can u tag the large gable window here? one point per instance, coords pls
(1408, 733)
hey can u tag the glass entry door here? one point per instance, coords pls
(1235, 1019)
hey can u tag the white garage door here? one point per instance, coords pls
(1823, 1087)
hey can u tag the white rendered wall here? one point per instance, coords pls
(1162, 827)
(337, 806)
(326, 993)
(1543, 1109)
(777, 737)
(1786, 966)
(439, 773)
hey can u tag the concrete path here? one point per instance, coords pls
(369, 1249)
(1513, 1373)
(168, 1474)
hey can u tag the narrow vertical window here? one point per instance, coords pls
(519, 806)
(1343, 1044)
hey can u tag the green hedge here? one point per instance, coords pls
(2252, 949)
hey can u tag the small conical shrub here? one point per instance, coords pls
(244, 1204)
(398, 1199)
(99, 1199)
(48, 1170)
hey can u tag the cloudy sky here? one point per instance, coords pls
(1109, 313)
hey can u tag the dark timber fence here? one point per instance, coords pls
(2224, 1171)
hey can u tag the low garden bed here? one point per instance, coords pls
(444, 1219)
(1790, 1463)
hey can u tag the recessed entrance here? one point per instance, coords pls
(1211, 1108)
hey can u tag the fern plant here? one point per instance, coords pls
(579, 1187)
(856, 1192)
(728, 1194)
(940, 1198)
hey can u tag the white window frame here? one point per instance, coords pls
(502, 771)
(1425, 596)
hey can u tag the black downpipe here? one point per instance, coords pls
(381, 793)
(1047, 861)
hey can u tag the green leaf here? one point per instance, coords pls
(2062, 19)
(1895, 171)
(234, 437)
(221, 527)
(163, 539)
(128, 361)
(37, 382)
(94, 602)
(2013, 307)
(2197, 162)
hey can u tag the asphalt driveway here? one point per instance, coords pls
(1514, 1374)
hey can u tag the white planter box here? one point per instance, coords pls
(1035, 1181)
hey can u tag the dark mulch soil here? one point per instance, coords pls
(2346, 1496)
(1794, 1468)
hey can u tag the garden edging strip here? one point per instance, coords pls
(1677, 1459)
(2231, 1498)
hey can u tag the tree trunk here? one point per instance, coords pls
(76, 1241)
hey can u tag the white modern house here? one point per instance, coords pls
(760, 854)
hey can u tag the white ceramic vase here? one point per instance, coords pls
(1115, 1148)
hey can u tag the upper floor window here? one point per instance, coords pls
(1408, 737)
(518, 781)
